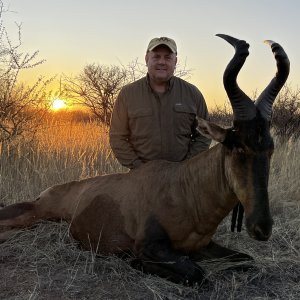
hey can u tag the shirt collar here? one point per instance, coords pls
(170, 85)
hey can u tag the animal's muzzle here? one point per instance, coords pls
(261, 234)
(260, 231)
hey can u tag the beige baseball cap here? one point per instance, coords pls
(170, 43)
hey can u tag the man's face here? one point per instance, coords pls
(161, 63)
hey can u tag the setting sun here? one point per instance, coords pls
(58, 104)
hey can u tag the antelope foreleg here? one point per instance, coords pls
(18, 215)
(215, 251)
(158, 257)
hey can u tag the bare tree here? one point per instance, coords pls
(96, 88)
(134, 70)
(286, 113)
(222, 114)
(20, 105)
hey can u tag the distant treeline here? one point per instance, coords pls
(285, 119)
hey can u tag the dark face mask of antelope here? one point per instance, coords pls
(250, 148)
(248, 144)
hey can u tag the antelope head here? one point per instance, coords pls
(248, 144)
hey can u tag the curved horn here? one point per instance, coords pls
(243, 107)
(265, 101)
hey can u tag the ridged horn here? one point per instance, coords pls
(242, 106)
(266, 99)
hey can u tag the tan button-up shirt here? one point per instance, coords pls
(146, 126)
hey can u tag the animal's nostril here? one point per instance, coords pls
(261, 234)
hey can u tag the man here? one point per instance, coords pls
(155, 116)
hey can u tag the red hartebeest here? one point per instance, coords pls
(166, 213)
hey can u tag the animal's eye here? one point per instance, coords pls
(240, 153)
(240, 150)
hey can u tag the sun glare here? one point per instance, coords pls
(58, 104)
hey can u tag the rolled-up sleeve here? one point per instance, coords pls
(119, 134)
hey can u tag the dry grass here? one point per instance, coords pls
(45, 263)
(62, 152)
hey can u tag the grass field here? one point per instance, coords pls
(45, 263)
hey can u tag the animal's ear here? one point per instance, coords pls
(211, 130)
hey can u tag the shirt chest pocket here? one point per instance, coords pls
(141, 122)
(184, 118)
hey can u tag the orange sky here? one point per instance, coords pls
(72, 33)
